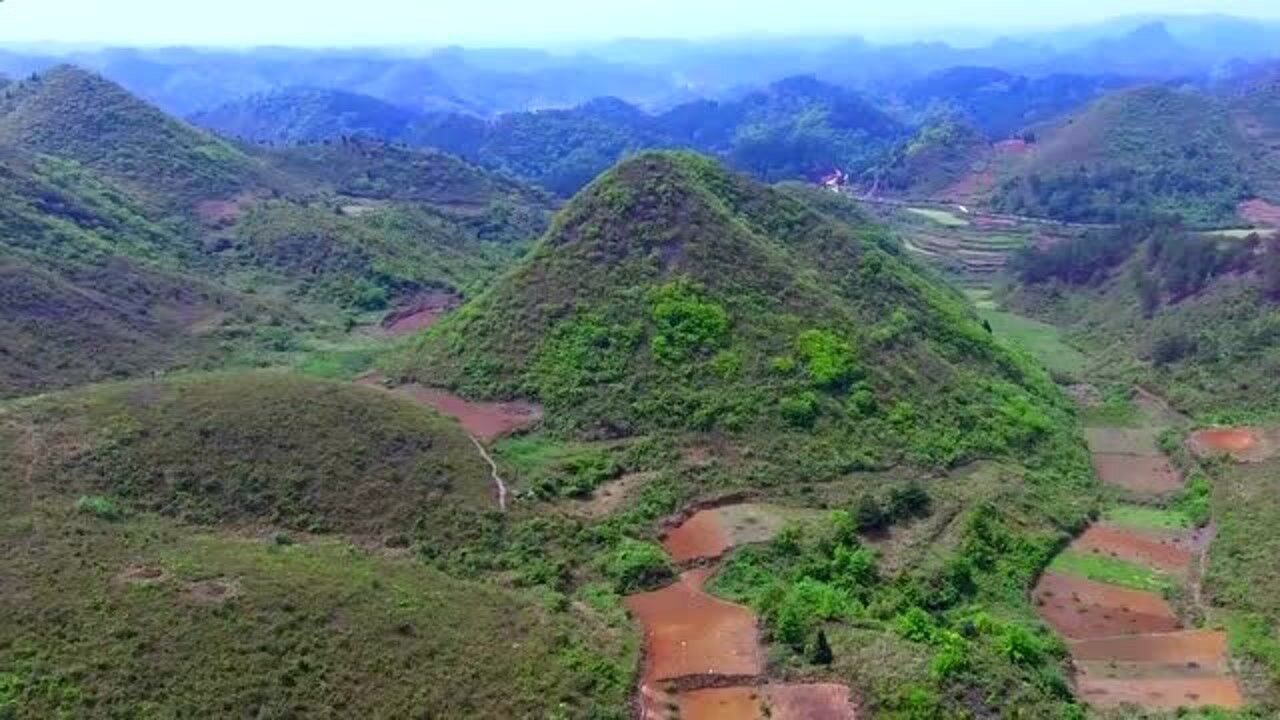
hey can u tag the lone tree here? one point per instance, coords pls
(820, 654)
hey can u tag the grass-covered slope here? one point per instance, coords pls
(156, 563)
(76, 115)
(131, 242)
(672, 294)
(1193, 317)
(1152, 148)
(266, 447)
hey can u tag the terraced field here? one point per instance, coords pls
(1108, 593)
(703, 658)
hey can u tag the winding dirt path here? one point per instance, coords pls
(500, 486)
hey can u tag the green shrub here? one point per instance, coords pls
(686, 325)
(828, 359)
(99, 507)
(634, 566)
(908, 502)
(801, 410)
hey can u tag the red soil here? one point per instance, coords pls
(421, 315)
(1206, 648)
(1080, 609)
(1145, 475)
(702, 536)
(689, 633)
(1163, 693)
(784, 702)
(1158, 553)
(486, 421)
(1260, 212)
(811, 702)
(1231, 441)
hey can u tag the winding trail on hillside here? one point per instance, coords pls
(493, 469)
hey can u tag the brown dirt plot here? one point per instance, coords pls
(420, 314)
(1160, 553)
(1163, 693)
(689, 633)
(487, 421)
(1142, 475)
(1244, 444)
(772, 702)
(702, 536)
(1206, 649)
(1080, 609)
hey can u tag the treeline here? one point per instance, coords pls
(1125, 194)
(1176, 262)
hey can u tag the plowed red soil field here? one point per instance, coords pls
(1143, 475)
(701, 536)
(1080, 609)
(769, 702)
(1163, 693)
(688, 632)
(1150, 551)
(1207, 649)
(487, 421)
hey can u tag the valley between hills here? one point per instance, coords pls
(801, 403)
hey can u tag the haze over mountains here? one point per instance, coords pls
(772, 379)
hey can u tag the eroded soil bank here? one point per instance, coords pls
(703, 659)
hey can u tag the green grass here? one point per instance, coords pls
(272, 447)
(1142, 517)
(1104, 569)
(941, 217)
(1042, 340)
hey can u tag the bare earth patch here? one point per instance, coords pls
(487, 421)
(1260, 212)
(768, 702)
(420, 314)
(1243, 444)
(1122, 441)
(702, 537)
(1159, 552)
(1080, 609)
(690, 633)
(212, 592)
(1205, 649)
(1162, 693)
(1140, 474)
(141, 575)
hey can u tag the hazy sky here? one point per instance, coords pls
(538, 22)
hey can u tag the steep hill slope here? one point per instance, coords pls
(673, 294)
(1151, 148)
(132, 242)
(78, 116)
